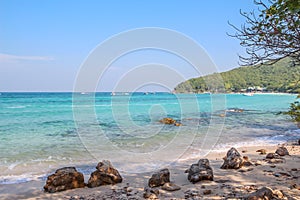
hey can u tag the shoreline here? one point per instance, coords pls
(226, 182)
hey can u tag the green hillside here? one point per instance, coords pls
(280, 77)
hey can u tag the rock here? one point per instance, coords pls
(192, 194)
(233, 160)
(263, 193)
(247, 161)
(282, 151)
(262, 151)
(258, 162)
(299, 141)
(200, 171)
(272, 156)
(105, 174)
(159, 178)
(245, 170)
(275, 161)
(170, 187)
(177, 124)
(64, 179)
(150, 193)
(167, 120)
(207, 192)
(278, 194)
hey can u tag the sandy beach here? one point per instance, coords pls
(282, 175)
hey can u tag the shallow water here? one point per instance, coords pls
(42, 131)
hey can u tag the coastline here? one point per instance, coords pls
(280, 176)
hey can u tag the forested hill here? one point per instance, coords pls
(279, 77)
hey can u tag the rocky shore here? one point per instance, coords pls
(271, 172)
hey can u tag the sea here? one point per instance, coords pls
(40, 132)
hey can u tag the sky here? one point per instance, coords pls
(43, 44)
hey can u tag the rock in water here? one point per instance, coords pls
(282, 151)
(64, 179)
(167, 120)
(233, 160)
(105, 174)
(200, 171)
(159, 178)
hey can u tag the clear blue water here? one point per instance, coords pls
(42, 131)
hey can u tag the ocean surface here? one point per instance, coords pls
(40, 132)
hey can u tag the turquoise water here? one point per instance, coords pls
(42, 131)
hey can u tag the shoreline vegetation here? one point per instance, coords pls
(281, 77)
(261, 169)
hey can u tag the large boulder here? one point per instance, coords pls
(64, 179)
(105, 174)
(233, 160)
(282, 151)
(159, 178)
(200, 171)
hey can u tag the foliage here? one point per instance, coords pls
(279, 77)
(271, 35)
(294, 111)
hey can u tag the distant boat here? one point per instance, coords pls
(248, 94)
(112, 94)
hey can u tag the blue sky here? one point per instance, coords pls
(43, 43)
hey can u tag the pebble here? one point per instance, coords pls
(207, 192)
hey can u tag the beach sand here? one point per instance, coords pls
(227, 184)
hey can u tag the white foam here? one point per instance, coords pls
(13, 179)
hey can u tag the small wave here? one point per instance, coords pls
(16, 107)
(14, 179)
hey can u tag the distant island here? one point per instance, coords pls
(282, 76)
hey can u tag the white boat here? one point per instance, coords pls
(248, 94)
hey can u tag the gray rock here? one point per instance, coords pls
(200, 171)
(105, 174)
(282, 151)
(64, 179)
(272, 156)
(233, 160)
(159, 178)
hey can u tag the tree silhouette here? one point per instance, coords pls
(272, 34)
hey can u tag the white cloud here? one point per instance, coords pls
(16, 58)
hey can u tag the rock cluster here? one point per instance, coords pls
(64, 179)
(233, 160)
(105, 174)
(200, 171)
(69, 178)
